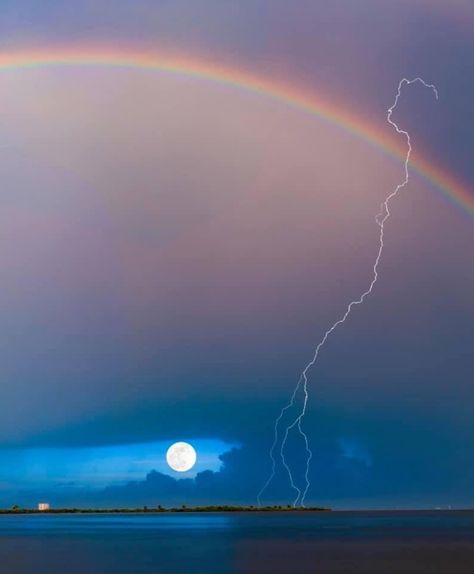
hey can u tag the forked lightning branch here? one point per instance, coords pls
(282, 432)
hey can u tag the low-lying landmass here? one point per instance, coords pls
(162, 509)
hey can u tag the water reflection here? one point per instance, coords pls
(241, 543)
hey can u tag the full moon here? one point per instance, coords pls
(181, 456)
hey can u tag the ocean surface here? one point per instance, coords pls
(292, 543)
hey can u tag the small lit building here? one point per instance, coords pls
(43, 506)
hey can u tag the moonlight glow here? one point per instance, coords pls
(181, 456)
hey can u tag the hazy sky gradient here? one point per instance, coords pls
(172, 251)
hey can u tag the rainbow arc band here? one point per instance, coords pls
(301, 99)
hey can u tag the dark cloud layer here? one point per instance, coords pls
(408, 462)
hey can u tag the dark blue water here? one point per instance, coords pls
(292, 543)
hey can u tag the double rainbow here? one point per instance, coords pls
(304, 100)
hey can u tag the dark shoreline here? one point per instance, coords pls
(229, 509)
(163, 510)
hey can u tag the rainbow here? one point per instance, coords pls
(299, 98)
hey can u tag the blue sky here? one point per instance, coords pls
(100, 466)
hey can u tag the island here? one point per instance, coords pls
(161, 509)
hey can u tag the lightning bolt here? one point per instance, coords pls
(302, 384)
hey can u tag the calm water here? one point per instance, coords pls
(429, 542)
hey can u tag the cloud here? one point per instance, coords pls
(391, 465)
(238, 481)
(352, 449)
